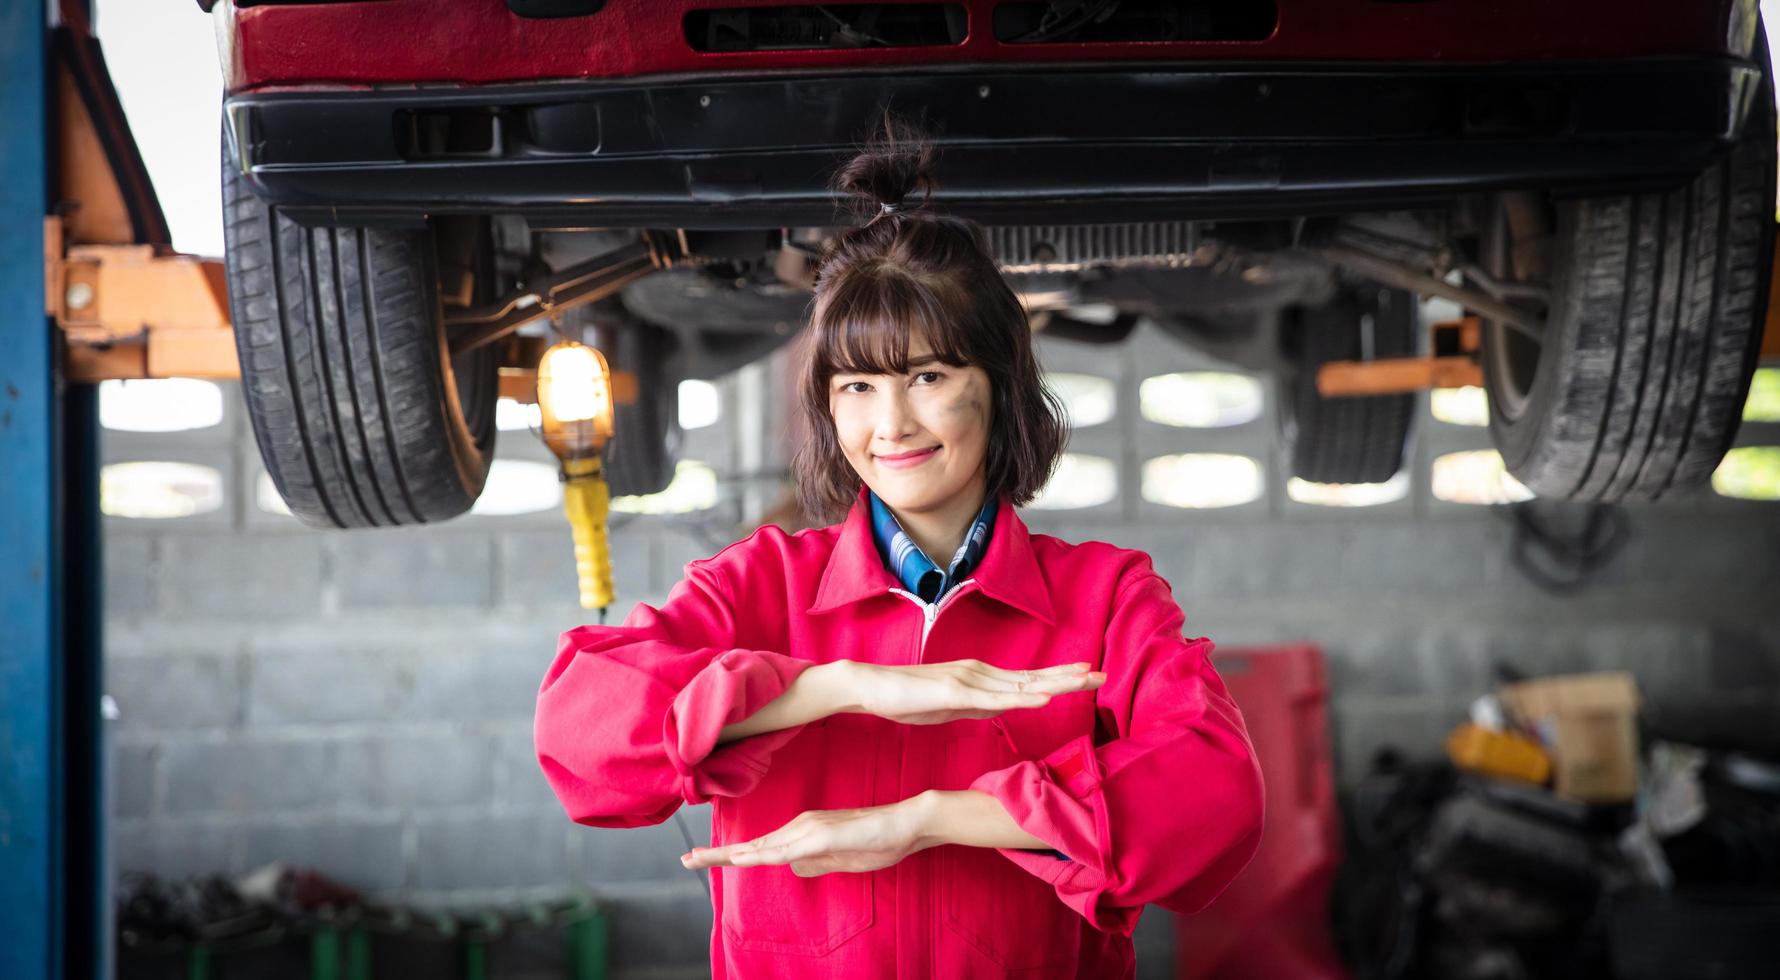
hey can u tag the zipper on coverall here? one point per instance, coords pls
(930, 611)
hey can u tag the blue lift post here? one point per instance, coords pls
(52, 889)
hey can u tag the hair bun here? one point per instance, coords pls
(896, 160)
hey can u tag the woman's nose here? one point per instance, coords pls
(894, 419)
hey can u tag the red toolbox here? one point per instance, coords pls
(1272, 923)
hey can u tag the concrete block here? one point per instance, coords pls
(415, 772)
(242, 776)
(133, 780)
(1669, 660)
(610, 855)
(537, 568)
(240, 576)
(661, 929)
(493, 683)
(1155, 945)
(1264, 561)
(1743, 660)
(327, 686)
(1456, 658)
(1416, 558)
(175, 692)
(175, 849)
(477, 675)
(1060, 524)
(1415, 727)
(1380, 659)
(130, 579)
(519, 780)
(491, 852)
(413, 567)
(1690, 551)
(675, 547)
(362, 854)
(1535, 651)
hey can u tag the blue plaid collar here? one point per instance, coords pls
(911, 565)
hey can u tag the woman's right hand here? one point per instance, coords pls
(932, 694)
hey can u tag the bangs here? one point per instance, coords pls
(865, 326)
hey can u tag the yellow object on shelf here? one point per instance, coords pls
(586, 498)
(1502, 755)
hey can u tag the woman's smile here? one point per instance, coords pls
(908, 460)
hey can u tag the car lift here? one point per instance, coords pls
(102, 295)
(53, 888)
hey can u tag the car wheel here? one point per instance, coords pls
(1635, 385)
(646, 432)
(1349, 439)
(362, 417)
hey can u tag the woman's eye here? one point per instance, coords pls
(848, 387)
(935, 375)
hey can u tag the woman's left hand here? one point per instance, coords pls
(816, 842)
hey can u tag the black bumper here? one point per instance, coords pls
(1040, 146)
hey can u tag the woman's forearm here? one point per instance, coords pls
(970, 817)
(818, 692)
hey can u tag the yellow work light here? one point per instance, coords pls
(575, 411)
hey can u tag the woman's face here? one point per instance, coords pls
(935, 418)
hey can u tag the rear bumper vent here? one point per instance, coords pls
(819, 26)
(1038, 22)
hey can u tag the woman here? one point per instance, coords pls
(919, 770)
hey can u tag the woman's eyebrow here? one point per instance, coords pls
(913, 362)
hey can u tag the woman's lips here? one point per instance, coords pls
(907, 460)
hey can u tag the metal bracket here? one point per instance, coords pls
(584, 282)
(1404, 277)
(127, 311)
(1452, 365)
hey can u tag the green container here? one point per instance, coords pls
(393, 943)
(567, 938)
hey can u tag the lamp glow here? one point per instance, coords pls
(574, 400)
(575, 416)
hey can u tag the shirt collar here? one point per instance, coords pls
(910, 564)
(1008, 573)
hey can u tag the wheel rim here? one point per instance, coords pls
(1512, 359)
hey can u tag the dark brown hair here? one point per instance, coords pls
(906, 268)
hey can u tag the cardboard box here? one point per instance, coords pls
(1589, 724)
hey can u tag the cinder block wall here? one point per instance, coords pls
(361, 703)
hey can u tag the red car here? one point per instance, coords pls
(408, 183)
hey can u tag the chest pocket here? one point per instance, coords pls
(998, 908)
(830, 765)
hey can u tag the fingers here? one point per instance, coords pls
(789, 843)
(729, 855)
(1063, 671)
(1047, 680)
(734, 855)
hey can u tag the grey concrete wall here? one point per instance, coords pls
(361, 702)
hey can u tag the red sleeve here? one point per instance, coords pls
(1168, 812)
(628, 716)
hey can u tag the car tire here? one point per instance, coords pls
(362, 417)
(646, 432)
(1349, 439)
(1651, 331)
